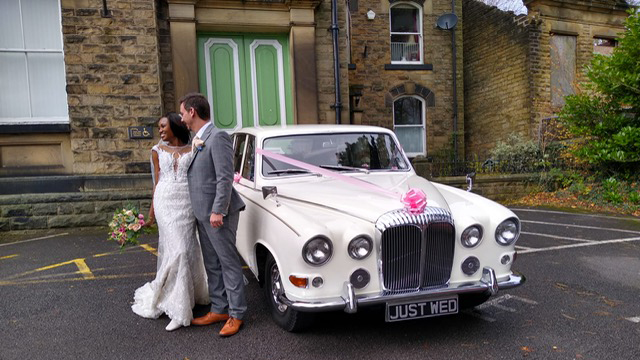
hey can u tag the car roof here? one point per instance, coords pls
(264, 132)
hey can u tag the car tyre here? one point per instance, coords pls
(286, 317)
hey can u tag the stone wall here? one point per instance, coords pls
(325, 63)
(113, 81)
(499, 188)
(499, 75)
(69, 201)
(166, 65)
(370, 52)
(508, 63)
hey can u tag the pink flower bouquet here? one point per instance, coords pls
(126, 226)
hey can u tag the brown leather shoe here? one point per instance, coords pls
(231, 327)
(209, 319)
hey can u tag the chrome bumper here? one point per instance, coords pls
(349, 301)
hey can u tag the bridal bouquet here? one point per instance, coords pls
(126, 226)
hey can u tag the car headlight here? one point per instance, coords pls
(471, 236)
(508, 231)
(317, 251)
(360, 247)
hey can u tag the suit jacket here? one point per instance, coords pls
(210, 176)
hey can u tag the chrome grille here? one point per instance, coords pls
(416, 250)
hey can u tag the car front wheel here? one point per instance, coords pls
(286, 317)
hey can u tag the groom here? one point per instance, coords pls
(217, 207)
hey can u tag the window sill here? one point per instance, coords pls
(408, 67)
(34, 128)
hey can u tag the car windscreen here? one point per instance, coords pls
(334, 151)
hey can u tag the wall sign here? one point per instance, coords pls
(140, 132)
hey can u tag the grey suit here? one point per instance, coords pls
(211, 190)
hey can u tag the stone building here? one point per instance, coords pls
(517, 69)
(82, 82)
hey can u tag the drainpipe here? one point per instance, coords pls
(336, 59)
(455, 88)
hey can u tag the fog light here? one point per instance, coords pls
(470, 265)
(317, 281)
(505, 259)
(300, 282)
(360, 278)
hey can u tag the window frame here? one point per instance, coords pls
(38, 120)
(420, 32)
(600, 38)
(422, 126)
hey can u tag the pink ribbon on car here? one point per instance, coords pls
(414, 200)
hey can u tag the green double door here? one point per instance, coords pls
(246, 79)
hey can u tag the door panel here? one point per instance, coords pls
(222, 81)
(268, 88)
(246, 79)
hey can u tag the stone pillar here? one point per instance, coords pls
(182, 26)
(302, 49)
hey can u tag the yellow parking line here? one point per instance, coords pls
(84, 269)
(149, 248)
(100, 277)
(80, 263)
(8, 257)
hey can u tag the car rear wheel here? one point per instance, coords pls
(286, 317)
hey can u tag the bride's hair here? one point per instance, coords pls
(178, 128)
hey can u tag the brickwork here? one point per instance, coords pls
(62, 210)
(500, 188)
(166, 65)
(370, 50)
(508, 63)
(112, 82)
(324, 63)
(498, 73)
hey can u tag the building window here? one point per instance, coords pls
(604, 46)
(409, 124)
(406, 33)
(32, 75)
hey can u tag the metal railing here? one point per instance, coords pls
(401, 51)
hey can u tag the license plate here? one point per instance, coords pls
(421, 309)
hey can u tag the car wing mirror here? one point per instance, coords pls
(470, 177)
(270, 192)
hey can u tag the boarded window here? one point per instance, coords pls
(563, 67)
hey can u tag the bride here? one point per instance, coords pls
(180, 280)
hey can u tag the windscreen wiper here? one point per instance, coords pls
(344, 168)
(288, 171)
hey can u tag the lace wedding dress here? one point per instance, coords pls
(180, 280)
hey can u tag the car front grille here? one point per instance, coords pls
(416, 250)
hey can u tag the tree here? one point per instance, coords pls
(606, 114)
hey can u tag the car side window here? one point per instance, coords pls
(238, 151)
(248, 170)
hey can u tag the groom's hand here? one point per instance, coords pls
(216, 220)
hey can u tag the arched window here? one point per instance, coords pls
(406, 33)
(409, 124)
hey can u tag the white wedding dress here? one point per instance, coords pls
(180, 280)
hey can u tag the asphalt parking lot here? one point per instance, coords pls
(67, 295)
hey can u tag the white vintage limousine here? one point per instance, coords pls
(337, 218)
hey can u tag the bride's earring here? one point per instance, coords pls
(173, 325)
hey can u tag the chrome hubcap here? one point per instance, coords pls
(276, 289)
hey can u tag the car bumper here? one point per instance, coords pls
(349, 301)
